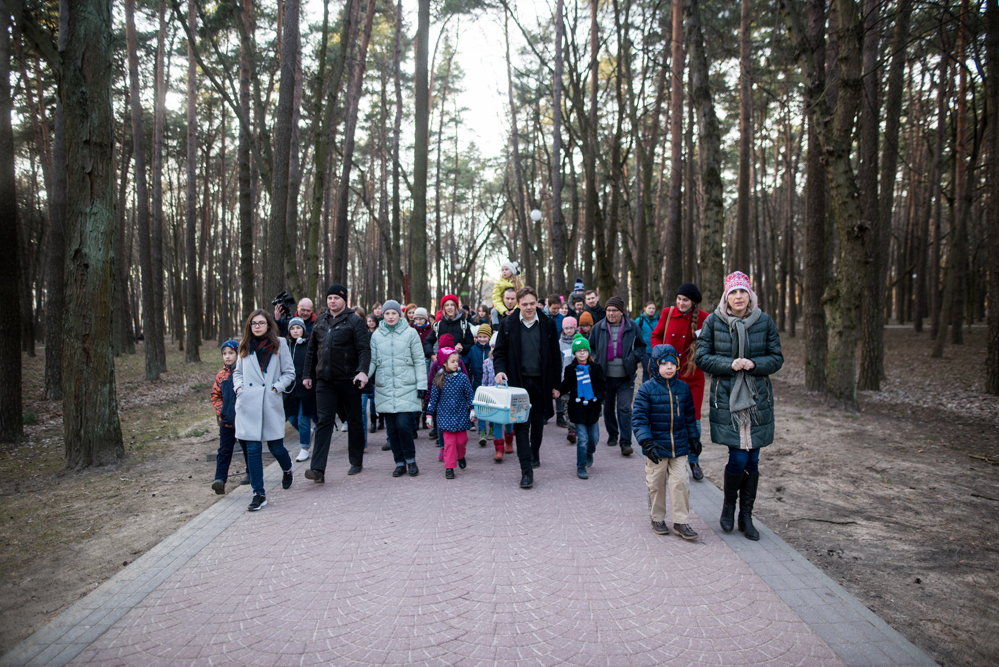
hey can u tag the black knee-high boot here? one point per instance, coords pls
(747, 498)
(732, 484)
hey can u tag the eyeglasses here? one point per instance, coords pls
(258, 324)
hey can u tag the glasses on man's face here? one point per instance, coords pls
(258, 324)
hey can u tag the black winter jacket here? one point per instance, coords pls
(507, 356)
(339, 347)
(459, 328)
(715, 352)
(579, 413)
(298, 393)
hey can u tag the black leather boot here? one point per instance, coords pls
(747, 498)
(732, 483)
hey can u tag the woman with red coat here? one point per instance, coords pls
(679, 326)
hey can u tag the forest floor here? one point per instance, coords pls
(890, 502)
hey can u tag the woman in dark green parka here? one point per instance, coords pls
(740, 348)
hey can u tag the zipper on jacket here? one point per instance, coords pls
(672, 443)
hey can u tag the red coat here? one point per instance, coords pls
(679, 337)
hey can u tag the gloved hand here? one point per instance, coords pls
(430, 422)
(421, 393)
(649, 450)
(695, 446)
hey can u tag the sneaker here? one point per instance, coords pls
(317, 476)
(399, 471)
(303, 455)
(354, 470)
(386, 447)
(343, 427)
(245, 480)
(413, 470)
(660, 528)
(581, 473)
(627, 451)
(218, 486)
(482, 438)
(449, 473)
(287, 478)
(685, 531)
(462, 463)
(440, 455)
(527, 481)
(257, 503)
(571, 437)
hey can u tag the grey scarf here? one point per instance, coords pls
(742, 396)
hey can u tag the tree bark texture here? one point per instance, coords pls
(674, 232)
(154, 338)
(741, 256)
(420, 279)
(992, 228)
(246, 272)
(191, 302)
(558, 220)
(815, 216)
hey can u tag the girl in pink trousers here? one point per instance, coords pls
(450, 404)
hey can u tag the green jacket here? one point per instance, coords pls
(398, 368)
(716, 350)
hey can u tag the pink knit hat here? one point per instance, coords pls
(444, 353)
(739, 280)
(570, 322)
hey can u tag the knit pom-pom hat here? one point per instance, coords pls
(512, 265)
(580, 343)
(738, 280)
(444, 353)
(229, 343)
(485, 330)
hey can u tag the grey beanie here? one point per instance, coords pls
(296, 321)
(391, 304)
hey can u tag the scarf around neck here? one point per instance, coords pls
(613, 353)
(742, 396)
(264, 349)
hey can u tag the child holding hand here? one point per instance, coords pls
(664, 423)
(451, 398)
(585, 385)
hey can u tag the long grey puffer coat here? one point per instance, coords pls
(260, 396)
(398, 368)
(717, 347)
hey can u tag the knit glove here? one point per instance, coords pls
(695, 446)
(649, 450)
(421, 393)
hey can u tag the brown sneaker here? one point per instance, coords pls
(685, 531)
(660, 528)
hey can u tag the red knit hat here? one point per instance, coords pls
(450, 297)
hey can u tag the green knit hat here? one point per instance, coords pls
(580, 343)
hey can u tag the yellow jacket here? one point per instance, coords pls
(502, 285)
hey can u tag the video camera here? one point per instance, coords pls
(285, 302)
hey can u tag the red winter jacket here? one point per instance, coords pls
(678, 335)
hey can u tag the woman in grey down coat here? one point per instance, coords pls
(264, 371)
(740, 348)
(400, 383)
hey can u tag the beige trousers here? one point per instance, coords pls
(670, 473)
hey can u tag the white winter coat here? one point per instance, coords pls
(259, 409)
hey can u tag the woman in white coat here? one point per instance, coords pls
(264, 371)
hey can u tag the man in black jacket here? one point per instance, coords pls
(527, 355)
(337, 360)
(593, 306)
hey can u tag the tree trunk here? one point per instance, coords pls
(963, 172)
(92, 432)
(155, 337)
(11, 406)
(246, 272)
(419, 278)
(396, 282)
(354, 84)
(123, 336)
(141, 194)
(591, 203)
(709, 158)
(815, 217)
(674, 230)
(992, 180)
(519, 204)
(741, 255)
(558, 221)
(294, 179)
(191, 304)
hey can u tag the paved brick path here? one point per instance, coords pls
(372, 570)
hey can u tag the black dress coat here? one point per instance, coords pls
(507, 356)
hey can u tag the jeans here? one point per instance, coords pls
(367, 405)
(742, 460)
(331, 395)
(617, 410)
(227, 442)
(529, 434)
(303, 424)
(587, 437)
(399, 428)
(254, 450)
(690, 456)
(500, 429)
(646, 375)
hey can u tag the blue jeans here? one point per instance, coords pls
(303, 424)
(617, 410)
(587, 437)
(742, 460)
(227, 442)
(367, 402)
(690, 456)
(254, 451)
(499, 429)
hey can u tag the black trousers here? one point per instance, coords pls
(333, 397)
(529, 434)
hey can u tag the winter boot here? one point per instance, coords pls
(747, 498)
(731, 490)
(508, 437)
(482, 438)
(498, 444)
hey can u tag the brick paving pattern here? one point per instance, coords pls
(374, 570)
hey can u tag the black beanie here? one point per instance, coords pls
(338, 289)
(690, 291)
(615, 302)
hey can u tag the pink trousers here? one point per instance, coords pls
(454, 448)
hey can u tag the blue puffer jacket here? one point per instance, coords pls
(451, 403)
(476, 356)
(664, 411)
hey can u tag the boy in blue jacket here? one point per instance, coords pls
(224, 401)
(666, 428)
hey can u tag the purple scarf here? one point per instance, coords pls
(613, 354)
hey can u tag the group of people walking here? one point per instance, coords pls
(574, 357)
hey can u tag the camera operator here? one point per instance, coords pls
(305, 310)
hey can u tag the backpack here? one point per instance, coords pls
(464, 328)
